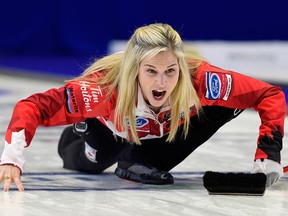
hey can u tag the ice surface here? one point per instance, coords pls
(52, 190)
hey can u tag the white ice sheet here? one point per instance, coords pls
(52, 190)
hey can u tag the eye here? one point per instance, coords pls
(151, 71)
(170, 71)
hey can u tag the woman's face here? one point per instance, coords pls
(158, 77)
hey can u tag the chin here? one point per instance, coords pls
(157, 103)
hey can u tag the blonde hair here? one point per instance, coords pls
(120, 72)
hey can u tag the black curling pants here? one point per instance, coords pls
(155, 152)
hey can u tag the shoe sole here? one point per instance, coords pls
(125, 174)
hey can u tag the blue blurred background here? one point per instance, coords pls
(62, 36)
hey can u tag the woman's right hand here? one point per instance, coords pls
(8, 174)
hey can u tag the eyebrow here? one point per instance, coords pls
(155, 67)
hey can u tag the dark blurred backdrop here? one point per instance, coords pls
(83, 29)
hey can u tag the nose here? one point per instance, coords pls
(161, 79)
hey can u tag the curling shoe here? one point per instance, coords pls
(143, 173)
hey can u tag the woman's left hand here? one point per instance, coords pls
(272, 169)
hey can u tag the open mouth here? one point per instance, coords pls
(158, 95)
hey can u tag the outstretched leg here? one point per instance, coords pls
(163, 156)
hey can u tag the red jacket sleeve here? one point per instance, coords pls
(218, 87)
(69, 104)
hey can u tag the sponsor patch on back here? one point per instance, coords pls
(218, 86)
